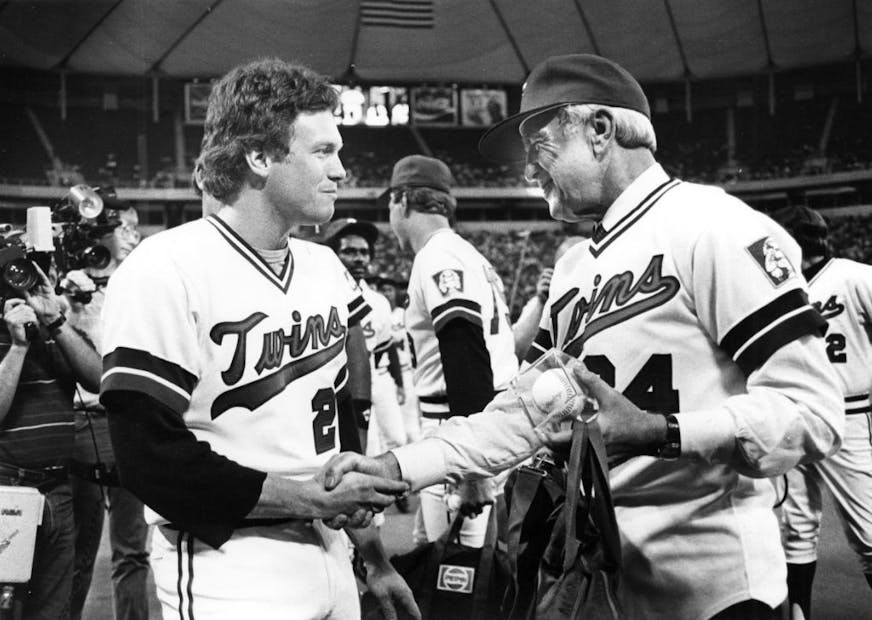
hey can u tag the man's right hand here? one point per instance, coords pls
(17, 315)
(383, 466)
(356, 497)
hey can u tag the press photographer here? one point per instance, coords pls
(96, 489)
(41, 358)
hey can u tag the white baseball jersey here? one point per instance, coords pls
(251, 360)
(377, 326)
(451, 279)
(687, 301)
(386, 428)
(841, 290)
(401, 337)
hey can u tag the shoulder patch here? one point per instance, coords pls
(769, 257)
(449, 280)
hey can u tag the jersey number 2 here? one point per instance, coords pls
(651, 389)
(324, 423)
(836, 348)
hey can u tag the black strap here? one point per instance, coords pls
(485, 565)
(577, 454)
(527, 482)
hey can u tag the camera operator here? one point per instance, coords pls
(37, 380)
(95, 482)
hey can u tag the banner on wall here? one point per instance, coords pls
(434, 105)
(196, 102)
(375, 106)
(482, 107)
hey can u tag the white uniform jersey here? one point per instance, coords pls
(377, 325)
(451, 279)
(842, 291)
(676, 300)
(401, 337)
(251, 360)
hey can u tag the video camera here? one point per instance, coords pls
(68, 231)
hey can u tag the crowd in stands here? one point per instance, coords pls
(819, 136)
(522, 255)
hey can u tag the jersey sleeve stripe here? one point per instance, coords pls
(143, 363)
(128, 379)
(804, 322)
(761, 320)
(462, 303)
(357, 311)
(457, 313)
(341, 379)
(540, 345)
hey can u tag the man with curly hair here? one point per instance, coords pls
(225, 370)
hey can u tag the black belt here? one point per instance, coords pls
(44, 479)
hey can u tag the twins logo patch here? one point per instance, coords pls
(449, 280)
(455, 578)
(771, 260)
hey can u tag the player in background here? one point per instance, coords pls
(458, 322)
(391, 288)
(354, 243)
(700, 346)
(527, 325)
(225, 365)
(841, 290)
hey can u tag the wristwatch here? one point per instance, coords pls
(55, 326)
(671, 448)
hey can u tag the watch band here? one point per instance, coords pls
(671, 448)
(55, 326)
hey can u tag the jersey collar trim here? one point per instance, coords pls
(811, 274)
(282, 280)
(635, 201)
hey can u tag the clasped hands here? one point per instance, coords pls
(353, 488)
(374, 483)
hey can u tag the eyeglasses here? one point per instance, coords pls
(128, 232)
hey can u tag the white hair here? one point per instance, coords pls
(632, 129)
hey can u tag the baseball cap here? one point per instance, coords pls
(419, 171)
(559, 81)
(343, 227)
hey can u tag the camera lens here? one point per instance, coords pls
(96, 256)
(20, 275)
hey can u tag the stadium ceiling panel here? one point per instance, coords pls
(471, 41)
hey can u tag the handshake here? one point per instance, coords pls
(352, 488)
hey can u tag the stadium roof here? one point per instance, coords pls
(470, 41)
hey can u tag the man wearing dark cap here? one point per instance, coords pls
(842, 290)
(703, 352)
(457, 319)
